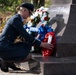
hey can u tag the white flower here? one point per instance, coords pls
(44, 14)
(42, 18)
(41, 8)
(32, 17)
(35, 14)
(29, 24)
(44, 23)
(40, 15)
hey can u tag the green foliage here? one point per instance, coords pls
(36, 20)
(6, 2)
(9, 4)
(47, 3)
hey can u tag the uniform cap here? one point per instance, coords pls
(29, 6)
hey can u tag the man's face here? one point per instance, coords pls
(25, 12)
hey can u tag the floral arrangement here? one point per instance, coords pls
(41, 15)
(39, 23)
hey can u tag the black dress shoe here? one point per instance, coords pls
(12, 66)
(3, 66)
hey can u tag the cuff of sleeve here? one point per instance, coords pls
(36, 42)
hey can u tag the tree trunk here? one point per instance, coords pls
(35, 2)
(38, 3)
(42, 3)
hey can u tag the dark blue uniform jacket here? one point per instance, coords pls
(15, 51)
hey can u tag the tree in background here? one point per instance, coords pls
(9, 4)
(8, 7)
(12, 4)
(41, 3)
(38, 3)
(26, 1)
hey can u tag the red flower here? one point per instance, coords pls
(46, 52)
(32, 20)
(46, 18)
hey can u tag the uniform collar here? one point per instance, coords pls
(22, 19)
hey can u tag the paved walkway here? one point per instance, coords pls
(18, 73)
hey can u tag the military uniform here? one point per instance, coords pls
(15, 51)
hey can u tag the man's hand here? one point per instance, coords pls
(46, 45)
